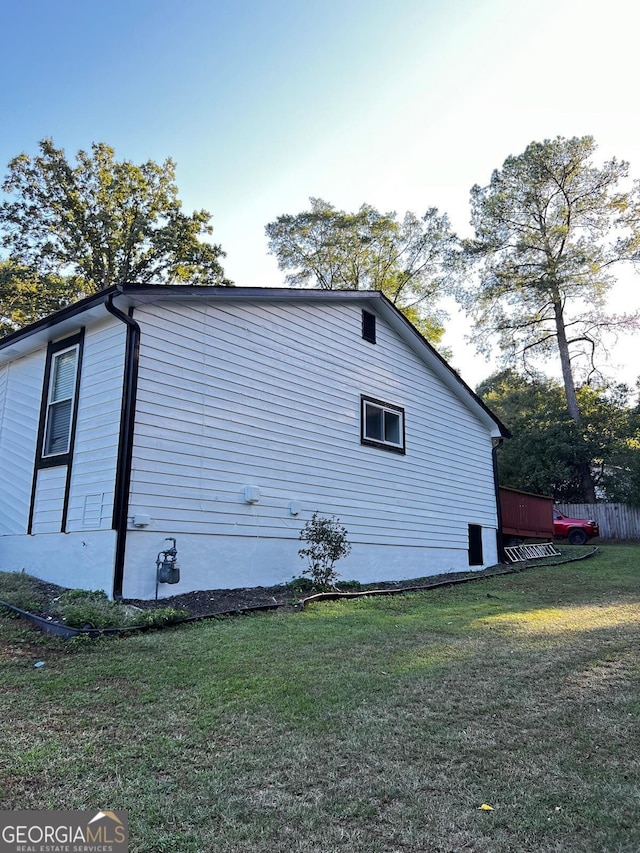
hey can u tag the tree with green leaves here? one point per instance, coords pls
(549, 451)
(414, 262)
(26, 297)
(611, 431)
(549, 228)
(102, 221)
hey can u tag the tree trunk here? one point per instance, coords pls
(584, 468)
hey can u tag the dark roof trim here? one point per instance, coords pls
(150, 292)
(504, 431)
(58, 316)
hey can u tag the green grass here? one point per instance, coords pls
(378, 724)
(80, 608)
(17, 589)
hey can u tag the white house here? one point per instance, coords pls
(224, 418)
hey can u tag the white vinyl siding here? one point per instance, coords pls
(95, 452)
(96, 440)
(19, 414)
(48, 503)
(98, 427)
(270, 395)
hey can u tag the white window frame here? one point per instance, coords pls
(51, 403)
(384, 443)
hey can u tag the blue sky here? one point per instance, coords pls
(403, 104)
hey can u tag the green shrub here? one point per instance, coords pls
(159, 617)
(93, 613)
(78, 595)
(300, 585)
(326, 542)
(350, 586)
(80, 608)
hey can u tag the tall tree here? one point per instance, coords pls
(25, 296)
(103, 221)
(549, 228)
(414, 262)
(549, 451)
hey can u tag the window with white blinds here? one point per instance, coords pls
(62, 386)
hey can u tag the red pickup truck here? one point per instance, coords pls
(576, 530)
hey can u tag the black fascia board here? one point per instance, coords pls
(504, 431)
(58, 316)
(133, 290)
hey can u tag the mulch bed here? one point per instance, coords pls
(211, 601)
(204, 602)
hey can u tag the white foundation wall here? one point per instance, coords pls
(78, 561)
(230, 562)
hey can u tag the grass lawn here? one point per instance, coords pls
(369, 725)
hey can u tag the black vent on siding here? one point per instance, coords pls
(475, 545)
(369, 327)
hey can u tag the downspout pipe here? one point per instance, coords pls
(125, 443)
(502, 557)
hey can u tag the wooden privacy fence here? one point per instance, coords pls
(617, 521)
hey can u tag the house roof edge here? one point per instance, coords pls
(141, 293)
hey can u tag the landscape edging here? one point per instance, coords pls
(66, 632)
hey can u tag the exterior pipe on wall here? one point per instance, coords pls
(502, 557)
(125, 444)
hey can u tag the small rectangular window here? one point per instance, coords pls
(382, 425)
(369, 327)
(60, 402)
